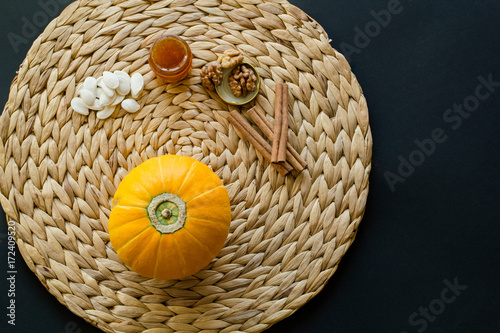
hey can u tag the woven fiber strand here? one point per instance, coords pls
(59, 170)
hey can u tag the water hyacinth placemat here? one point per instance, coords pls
(59, 170)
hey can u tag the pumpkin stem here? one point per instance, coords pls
(166, 213)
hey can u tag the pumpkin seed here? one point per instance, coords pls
(106, 100)
(123, 75)
(87, 97)
(77, 105)
(90, 84)
(106, 113)
(105, 89)
(136, 84)
(130, 105)
(79, 88)
(111, 80)
(96, 106)
(124, 86)
(118, 99)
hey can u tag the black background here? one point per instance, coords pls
(440, 224)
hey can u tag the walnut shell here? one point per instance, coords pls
(230, 58)
(211, 75)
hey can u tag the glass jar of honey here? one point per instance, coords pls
(170, 58)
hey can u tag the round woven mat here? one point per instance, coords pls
(59, 170)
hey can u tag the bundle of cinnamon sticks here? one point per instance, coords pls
(283, 157)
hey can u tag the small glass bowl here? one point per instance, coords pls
(179, 70)
(225, 92)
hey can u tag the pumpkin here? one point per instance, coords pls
(170, 217)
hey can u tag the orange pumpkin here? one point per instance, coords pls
(170, 217)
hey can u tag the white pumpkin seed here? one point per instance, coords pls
(123, 75)
(90, 84)
(106, 100)
(118, 99)
(130, 105)
(87, 97)
(106, 113)
(99, 91)
(107, 90)
(77, 105)
(96, 106)
(123, 87)
(136, 84)
(79, 89)
(110, 79)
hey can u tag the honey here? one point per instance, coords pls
(170, 58)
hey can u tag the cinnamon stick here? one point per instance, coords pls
(265, 126)
(251, 135)
(278, 109)
(284, 126)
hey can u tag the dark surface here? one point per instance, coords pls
(440, 224)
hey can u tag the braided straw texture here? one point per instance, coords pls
(59, 170)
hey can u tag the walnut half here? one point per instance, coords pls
(230, 58)
(211, 75)
(242, 80)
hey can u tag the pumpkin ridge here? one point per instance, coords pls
(202, 194)
(124, 224)
(184, 263)
(202, 245)
(127, 207)
(161, 173)
(117, 201)
(211, 221)
(130, 241)
(139, 184)
(157, 256)
(188, 174)
(127, 214)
